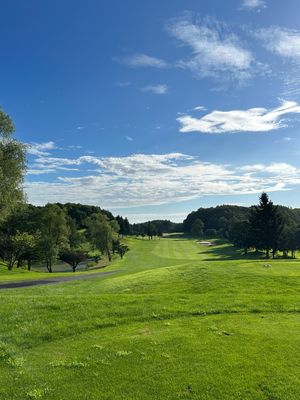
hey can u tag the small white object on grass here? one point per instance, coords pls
(267, 265)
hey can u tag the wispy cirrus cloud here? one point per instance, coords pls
(285, 43)
(251, 120)
(253, 5)
(156, 89)
(216, 51)
(144, 60)
(282, 41)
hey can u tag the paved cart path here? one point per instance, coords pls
(56, 279)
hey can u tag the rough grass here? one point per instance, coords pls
(180, 321)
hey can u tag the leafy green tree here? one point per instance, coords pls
(101, 233)
(32, 251)
(12, 167)
(240, 235)
(75, 237)
(73, 257)
(54, 233)
(197, 228)
(14, 248)
(223, 225)
(151, 230)
(289, 240)
(122, 250)
(211, 232)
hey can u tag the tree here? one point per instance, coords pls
(210, 232)
(101, 233)
(31, 252)
(14, 248)
(73, 257)
(223, 225)
(266, 226)
(75, 237)
(197, 227)
(12, 167)
(122, 250)
(54, 232)
(239, 235)
(151, 230)
(289, 240)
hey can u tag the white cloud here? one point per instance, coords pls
(274, 168)
(40, 149)
(254, 4)
(143, 60)
(200, 108)
(216, 52)
(129, 138)
(282, 41)
(156, 89)
(251, 120)
(152, 179)
(285, 43)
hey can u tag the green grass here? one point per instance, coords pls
(179, 321)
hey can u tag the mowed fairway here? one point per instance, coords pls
(179, 321)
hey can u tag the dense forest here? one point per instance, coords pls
(264, 227)
(72, 233)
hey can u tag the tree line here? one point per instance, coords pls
(29, 234)
(32, 234)
(264, 227)
(149, 228)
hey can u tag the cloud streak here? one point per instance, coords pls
(156, 89)
(254, 5)
(144, 60)
(40, 149)
(251, 120)
(282, 41)
(216, 52)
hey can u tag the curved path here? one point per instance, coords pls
(56, 279)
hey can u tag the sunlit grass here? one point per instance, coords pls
(179, 321)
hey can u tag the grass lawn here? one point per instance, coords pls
(179, 321)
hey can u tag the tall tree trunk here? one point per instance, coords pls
(49, 266)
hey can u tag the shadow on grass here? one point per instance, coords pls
(229, 252)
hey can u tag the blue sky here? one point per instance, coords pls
(154, 109)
